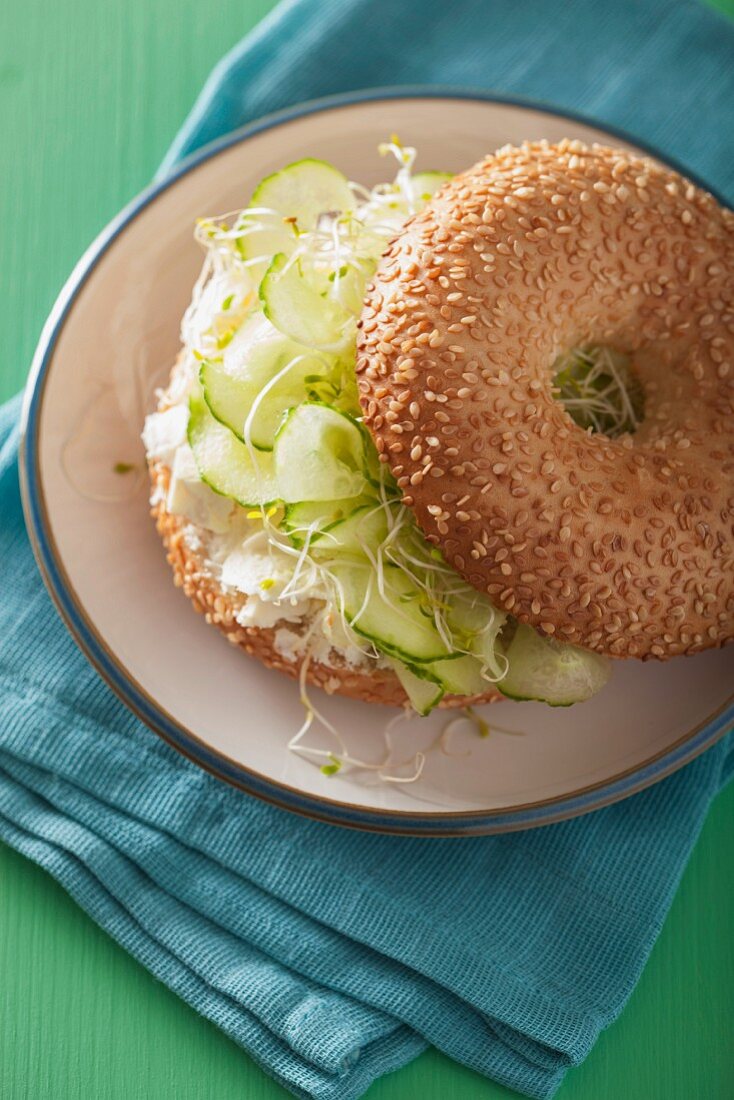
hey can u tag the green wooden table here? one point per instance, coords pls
(90, 95)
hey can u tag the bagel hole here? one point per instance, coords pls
(600, 390)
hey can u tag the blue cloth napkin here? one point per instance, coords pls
(334, 956)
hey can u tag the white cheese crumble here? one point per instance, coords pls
(189, 497)
(322, 645)
(165, 432)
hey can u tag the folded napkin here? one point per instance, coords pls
(335, 956)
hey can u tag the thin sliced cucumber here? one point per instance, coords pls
(477, 624)
(320, 516)
(395, 621)
(364, 527)
(346, 397)
(485, 645)
(255, 346)
(470, 611)
(231, 399)
(425, 184)
(423, 693)
(303, 191)
(461, 676)
(224, 463)
(298, 309)
(228, 398)
(553, 673)
(319, 455)
(346, 285)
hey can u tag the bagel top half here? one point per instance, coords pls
(624, 546)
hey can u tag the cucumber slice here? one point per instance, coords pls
(460, 676)
(319, 514)
(457, 676)
(425, 184)
(319, 455)
(346, 397)
(485, 645)
(553, 673)
(477, 623)
(395, 622)
(424, 694)
(303, 190)
(469, 612)
(298, 309)
(365, 526)
(347, 285)
(255, 340)
(231, 399)
(225, 464)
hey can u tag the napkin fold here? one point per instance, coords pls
(335, 956)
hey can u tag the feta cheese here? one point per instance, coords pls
(262, 614)
(164, 432)
(189, 497)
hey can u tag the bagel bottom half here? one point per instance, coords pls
(220, 608)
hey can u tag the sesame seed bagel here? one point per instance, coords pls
(624, 546)
(220, 608)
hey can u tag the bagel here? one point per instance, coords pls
(622, 546)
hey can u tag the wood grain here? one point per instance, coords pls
(90, 95)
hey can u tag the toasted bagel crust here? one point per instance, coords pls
(622, 546)
(219, 608)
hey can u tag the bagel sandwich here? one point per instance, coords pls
(383, 466)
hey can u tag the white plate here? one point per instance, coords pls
(111, 338)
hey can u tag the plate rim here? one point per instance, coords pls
(134, 696)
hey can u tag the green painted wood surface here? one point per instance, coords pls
(91, 92)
